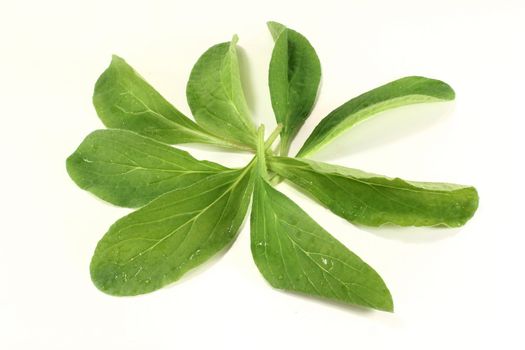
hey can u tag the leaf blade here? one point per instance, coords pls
(375, 200)
(294, 77)
(294, 253)
(130, 170)
(275, 29)
(159, 243)
(401, 92)
(124, 100)
(215, 95)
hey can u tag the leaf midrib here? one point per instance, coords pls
(135, 167)
(323, 270)
(372, 184)
(193, 219)
(176, 126)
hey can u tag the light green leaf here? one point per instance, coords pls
(374, 200)
(294, 253)
(294, 76)
(127, 169)
(276, 29)
(157, 244)
(401, 92)
(124, 100)
(216, 97)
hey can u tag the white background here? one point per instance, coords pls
(452, 289)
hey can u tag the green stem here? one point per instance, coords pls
(261, 158)
(273, 136)
(216, 140)
(284, 148)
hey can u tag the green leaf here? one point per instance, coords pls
(276, 29)
(401, 92)
(130, 170)
(157, 244)
(294, 76)
(294, 253)
(124, 100)
(374, 200)
(215, 95)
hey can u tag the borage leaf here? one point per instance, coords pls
(216, 97)
(374, 200)
(127, 169)
(294, 253)
(294, 76)
(179, 230)
(124, 100)
(401, 92)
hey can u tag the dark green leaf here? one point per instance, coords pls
(294, 78)
(374, 200)
(124, 100)
(130, 170)
(157, 244)
(402, 92)
(216, 97)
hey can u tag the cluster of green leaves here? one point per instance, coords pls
(189, 209)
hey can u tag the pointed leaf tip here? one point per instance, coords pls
(275, 29)
(115, 57)
(294, 253)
